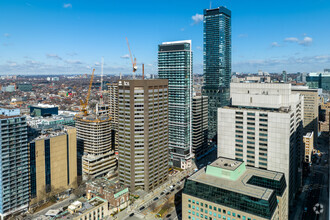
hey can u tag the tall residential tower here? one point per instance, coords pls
(217, 61)
(175, 64)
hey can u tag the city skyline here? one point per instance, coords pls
(70, 37)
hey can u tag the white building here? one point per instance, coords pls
(263, 127)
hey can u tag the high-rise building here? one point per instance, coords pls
(263, 127)
(309, 147)
(284, 76)
(113, 111)
(228, 189)
(95, 155)
(143, 133)
(217, 62)
(175, 64)
(311, 108)
(199, 125)
(14, 162)
(53, 164)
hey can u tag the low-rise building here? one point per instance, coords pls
(227, 189)
(43, 110)
(309, 147)
(115, 193)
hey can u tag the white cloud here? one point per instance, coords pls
(306, 41)
(11, 63)
(291, 39)
(6, 34)
(243, 35)
(126, 56)
(197, 18)
(53, 56)
(181, 29)
(67, 5)
(72, 54)
(73, 62)
(275, 44)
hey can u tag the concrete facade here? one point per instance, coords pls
(143, 133)
(263, 127)
(309, 147)
(62, 167)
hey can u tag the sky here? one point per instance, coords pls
(71, 37)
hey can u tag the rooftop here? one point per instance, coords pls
(110, 186)
(230, 178)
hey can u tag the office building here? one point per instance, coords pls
(228, 189)
(14, 175)
(53, 164)
(95, 156)
(263, 127)
(217, 62)
(113, 111)
(43, 110)
(311, 108)
(175, 64)
(199, 125)
(309, 147)
(9, 88)
(318, 80)
(143, 133)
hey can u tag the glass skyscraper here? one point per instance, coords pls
(217, 61)
(175, 64)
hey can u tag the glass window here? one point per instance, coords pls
(205, 216)
(234, 214)
(189, 206)
(219, 210)
(224, 211)
(215, 208)
(210, 207)
(189, 211)
(205, 205)
(228, 212)
(201, 215)
(228, 218)
(193, 212)
(193, 218)
(197, 208)
(189, 200)
(201, 204)
(202, 209)
(210, 212)
(219, 216)
(193, 201)
(238, 216)
(205, 211)
(197, 214)
(189, 216)
(193, 207)
(197, 203)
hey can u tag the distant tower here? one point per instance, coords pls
(217, 62)
(284, 76)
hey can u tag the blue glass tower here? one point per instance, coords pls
(175, 64)
(14, 168)
(217, 62)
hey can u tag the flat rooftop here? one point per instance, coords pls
(240, 185)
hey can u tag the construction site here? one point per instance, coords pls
(94, 140)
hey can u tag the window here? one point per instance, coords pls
(197, 203)
(193, 201)
(205, 205)
(210, 207)
(224, 211)
(202, 209)
(219, 210)
(219, 216)
(210, 212)
(193, 207)
(189, 200)
(189, 206)
(197, 208)
(215, 208)
(228, 212)
(234, 214)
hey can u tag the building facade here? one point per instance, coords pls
(309, 147)
(311, 109)
(43, 110)
(53, 164)
(143, 133)
(319, 80)
(113, 111)
(263, 127)
(95, 155)
(227, 189)
(175, 64)
(14, 159)
(199, 125)
(217, 62)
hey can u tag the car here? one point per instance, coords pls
(169, 215)
(130, 215)
(172, 190)
(167, 193)
(141, 208)
(173, 185)
(162, 193)
(178, 187)
(156, 198)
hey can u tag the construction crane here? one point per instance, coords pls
(133, 62)
(85, 104)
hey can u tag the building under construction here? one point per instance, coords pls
(94, 146)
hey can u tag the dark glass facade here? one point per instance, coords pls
(217, 62)
(318, 82)
(33, 175)
(47, 165)
(245, 203)
(278, 186)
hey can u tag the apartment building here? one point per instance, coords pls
(14, 175)
(143, 133)
(113, 111)
(309, 146)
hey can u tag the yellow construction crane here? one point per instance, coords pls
(133, 62)
(85, 104)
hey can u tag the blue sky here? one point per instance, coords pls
(53, 36)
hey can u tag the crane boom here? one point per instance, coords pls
(85, 104)
(133, 62)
